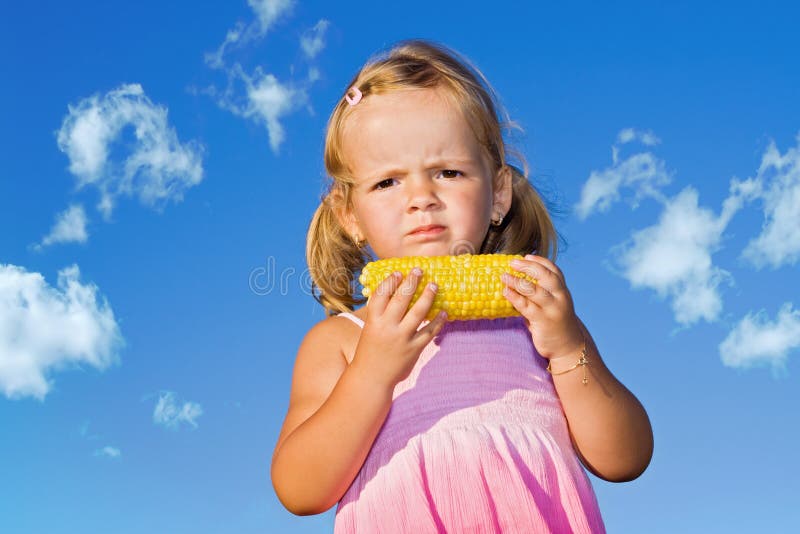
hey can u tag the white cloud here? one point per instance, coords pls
(779, 178)
(110, 452)
(83, 431)
(44, 329)
(170, 414)
(157, 167)
(757, 341)
(644, 173)
(313, 40)
(673, 257)
(70, 227)
(260, 96)
(267, 13)
(628, 135)
(216, 59)
(266, 101)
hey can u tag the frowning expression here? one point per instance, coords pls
(424, 185)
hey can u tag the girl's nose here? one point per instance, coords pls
(422, 194)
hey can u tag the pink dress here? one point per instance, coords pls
(475, 441)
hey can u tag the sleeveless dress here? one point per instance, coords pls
(475, 441)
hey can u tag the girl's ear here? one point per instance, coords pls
(502, 191)
(344, 214)
(350, 224)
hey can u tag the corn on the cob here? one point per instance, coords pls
(469, 284)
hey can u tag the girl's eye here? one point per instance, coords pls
(451, 173)
(383, 184)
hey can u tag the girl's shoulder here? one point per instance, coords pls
(351, 332)
(324, 354)
(339, 330)
(360, 314)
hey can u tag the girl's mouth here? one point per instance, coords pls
(427, 231)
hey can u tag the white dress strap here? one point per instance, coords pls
(352, 317)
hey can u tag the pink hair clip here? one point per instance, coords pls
(356, 96)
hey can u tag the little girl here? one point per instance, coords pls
(424, 426)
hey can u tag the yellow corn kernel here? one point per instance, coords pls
(469, 284)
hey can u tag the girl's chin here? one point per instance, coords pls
(436, 249)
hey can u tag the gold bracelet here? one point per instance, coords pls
(582, 361)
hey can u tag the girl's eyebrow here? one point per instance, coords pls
(435, 164)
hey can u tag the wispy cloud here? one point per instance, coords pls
(313, 40)
(758, 341)
(83, 432)
(156, 166)
(779, 241)
(171, 414)
(267, 14)
(269, 11)
(674, 256)
(642, 173)
(108, 452)
(646, 137)
(43, 329)
(260, 96)
(265, 101)
(70, 227)
(216, 60)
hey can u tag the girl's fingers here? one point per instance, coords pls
(522, 286)
(399, 302)
(549, 275)
(417, 313)
(521, 303)
(431, 329)
(380, 297)
(546, 279)
(534, 270)
(549, 265)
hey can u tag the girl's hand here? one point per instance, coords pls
(547, 307)
(390, 343)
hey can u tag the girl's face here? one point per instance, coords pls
(423, 185)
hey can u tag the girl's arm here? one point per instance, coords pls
(334, 415)
(335, 409)
(608, 425)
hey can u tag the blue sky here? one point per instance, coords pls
(160, 163)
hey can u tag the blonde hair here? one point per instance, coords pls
(333, 258)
